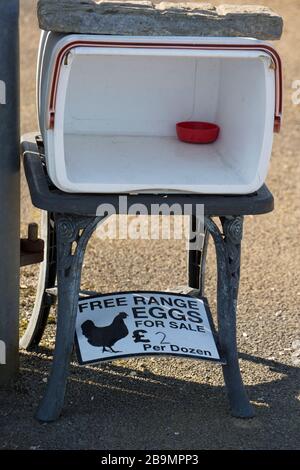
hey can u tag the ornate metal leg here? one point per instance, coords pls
(73, 233)
(197, 263)
(228, 249)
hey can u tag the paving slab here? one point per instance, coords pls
(165, 19)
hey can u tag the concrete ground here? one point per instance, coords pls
(172, 403)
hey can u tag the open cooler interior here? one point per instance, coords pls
(115, 122)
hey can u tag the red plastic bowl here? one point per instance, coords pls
(197, 132)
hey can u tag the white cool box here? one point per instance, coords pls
(108, 108)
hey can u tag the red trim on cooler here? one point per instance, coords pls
(277, 124)
(264, 48)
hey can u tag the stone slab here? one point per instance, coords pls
(144, 18)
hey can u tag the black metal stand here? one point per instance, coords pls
(74, 225)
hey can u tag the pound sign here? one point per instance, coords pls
(139, 337)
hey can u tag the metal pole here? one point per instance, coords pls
(9, 189)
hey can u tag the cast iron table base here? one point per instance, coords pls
(71, 220)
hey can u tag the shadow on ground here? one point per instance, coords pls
(115, 407)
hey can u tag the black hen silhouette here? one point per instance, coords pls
(105, 336)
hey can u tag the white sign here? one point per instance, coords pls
(143, 323)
